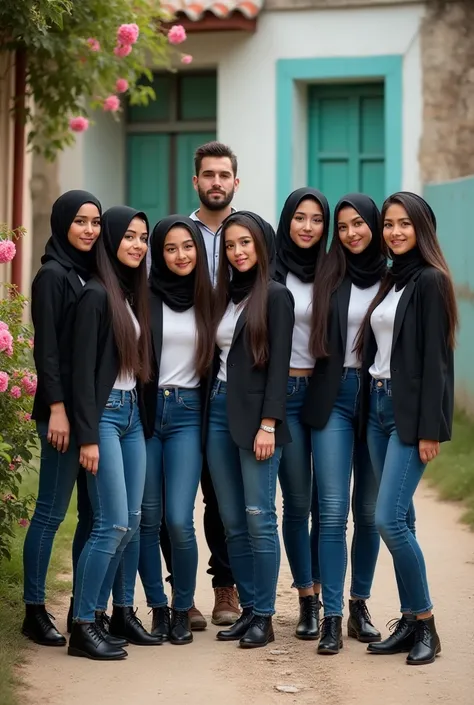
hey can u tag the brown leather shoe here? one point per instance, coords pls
(197, 621)
(226, 606)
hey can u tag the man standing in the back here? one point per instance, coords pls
(215, 182)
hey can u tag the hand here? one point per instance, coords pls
(264, 445)
(58, 429)
(428, 450)
(89, 458)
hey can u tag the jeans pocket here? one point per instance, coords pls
(191, 403)
(113, 404)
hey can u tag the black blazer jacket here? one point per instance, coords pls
(257, 393)
(422, 364)
(95, 362)
(326, 378)
(54, 295)
(150, 390)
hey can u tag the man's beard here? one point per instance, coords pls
(215, 205)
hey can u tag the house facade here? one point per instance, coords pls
(308, 92)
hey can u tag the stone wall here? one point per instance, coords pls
(447, 43)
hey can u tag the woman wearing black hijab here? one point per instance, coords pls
(181, 325)
(348, 283)
(247, 421)
(408, 385)
(301, 246)
(111, 357)
(67, 264)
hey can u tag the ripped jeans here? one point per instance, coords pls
(116, 494)
(245, 488)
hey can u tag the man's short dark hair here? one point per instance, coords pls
(214, 149)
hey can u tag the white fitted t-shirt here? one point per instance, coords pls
(225, 335)
(359, 302)
(301, 358)
(178, 351)
(382, 321)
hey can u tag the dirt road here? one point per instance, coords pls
(211, 672)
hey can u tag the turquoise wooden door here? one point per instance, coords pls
(346, 140)
(149, 184)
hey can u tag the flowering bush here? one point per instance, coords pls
(18, 440)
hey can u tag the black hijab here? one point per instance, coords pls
(291, 258)
(176, 292)
(115, 222)
(242, 282)
(368, 267)
(58, 247)
(405, 266)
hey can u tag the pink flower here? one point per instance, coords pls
(31, 342)
(93, 44)
(11, 467)
(123, 50)
(6, 341)
(121, 85)
(111, 104)
(186, 59)
(20, 339)
(128, 33)
(27, 417)
(3, 325)
(24, 523)
(3, 381)
(177, 34)
(7, 251)
(79, 124)
(29, 384)
(15, 392)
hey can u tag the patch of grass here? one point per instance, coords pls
(452, 472)
(13, 645)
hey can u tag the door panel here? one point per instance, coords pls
(148, 158)
(346, 140)
(187, 143)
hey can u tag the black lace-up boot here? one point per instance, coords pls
(239, 628)
(87, 641)
(427, 645)
(125, 624)
(331, 636)
(38, 627)
(359, 624)
(259, 633)
(401, 639)
(308, 625)
(102, 621)
(161, 622)
(180, 628)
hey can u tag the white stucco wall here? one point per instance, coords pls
(247, 93)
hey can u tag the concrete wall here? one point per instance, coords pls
(246, 66)
(452, 202)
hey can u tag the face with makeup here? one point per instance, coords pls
(179, 251)
(240, 248)
(307, 223)
(85, 228)
(354, 233)
(134, 244)
(398, 230)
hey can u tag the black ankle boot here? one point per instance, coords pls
(87, 641)
(308, 626)
(161, 623)
(102, 621)
(69, 616)
(124, 623)
(259, 633)
(38, 627)
(427, 645)
(331, 636)
(239, 628)
(359, 624)
(400, 640)
(180, 632)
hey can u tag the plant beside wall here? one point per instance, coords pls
(17, 389)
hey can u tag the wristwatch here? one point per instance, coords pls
(268, 429)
